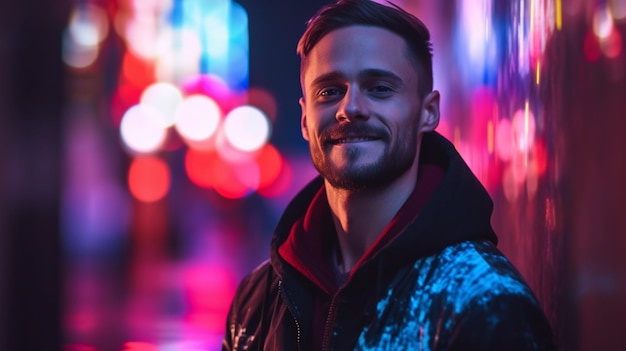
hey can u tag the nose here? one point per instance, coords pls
(353, 106)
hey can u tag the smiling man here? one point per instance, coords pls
(391, 248)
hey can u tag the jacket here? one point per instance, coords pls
(439, 283)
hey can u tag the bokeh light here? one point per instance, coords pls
(523, 125)
(246, 128)
(164, 97)
(217, 35)
(263, 100)
(612, 45)
(137, 71)
(88, 25)
(139, 346)
(281, 184)
(199, 165)
(197, 118)
(87, 28)
(178, 54)
(248, 173)
(232, 180)
(124, 97)
(225, 179)
(602, 22)
(270, 163)
(143, 129)
(143, 26)
(475, 34)
(212, 86)
(591, 47)
(148, 178)
(504, 139)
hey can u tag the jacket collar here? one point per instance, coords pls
(448, 205)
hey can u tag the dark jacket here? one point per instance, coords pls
(439, 284)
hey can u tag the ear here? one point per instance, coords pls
(303, 127)
(430, 112)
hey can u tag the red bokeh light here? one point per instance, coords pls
(281, 184)
(270, 165)
(198, 164)
(136, 71)
(148, 178)
(139, 346)
(124, 98)
(208, 170)
(540, 154)
(612, 45)
(591, 47)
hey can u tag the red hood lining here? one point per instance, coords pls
(309, 246)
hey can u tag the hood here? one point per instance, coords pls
(458, 210)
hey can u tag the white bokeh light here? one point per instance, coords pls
(523, 127)
(88, 26)
(197, 118)
(603, 22)
(143, 129)
(246, 128)
(164, 97)
(147, 23)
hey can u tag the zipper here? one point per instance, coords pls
(330, 320)
(291, 307)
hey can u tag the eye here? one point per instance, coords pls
(381, 90)
(329, 92)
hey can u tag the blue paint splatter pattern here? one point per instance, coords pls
(468, 294)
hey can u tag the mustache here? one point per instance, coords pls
(352, 130)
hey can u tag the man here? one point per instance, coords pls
(391, 248)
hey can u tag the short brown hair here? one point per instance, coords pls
(346, 13)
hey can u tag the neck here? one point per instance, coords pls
(361, 216)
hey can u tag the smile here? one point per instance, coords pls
(353, 140)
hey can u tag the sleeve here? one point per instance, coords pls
(512, 322)
(247, 311)
(227, 341)
(231, 320)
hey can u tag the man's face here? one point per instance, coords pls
(361, 111)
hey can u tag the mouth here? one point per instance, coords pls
(352, 133)
(347, 140)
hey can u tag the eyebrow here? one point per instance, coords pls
(364, 74)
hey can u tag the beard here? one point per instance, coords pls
(397, 157)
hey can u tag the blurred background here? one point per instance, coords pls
(148, 147)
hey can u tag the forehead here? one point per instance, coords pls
(352, 49)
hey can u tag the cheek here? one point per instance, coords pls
(408, 125)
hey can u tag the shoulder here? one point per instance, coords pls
(494, 307)
(258, 281)
(474, 269)
(467, 297)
